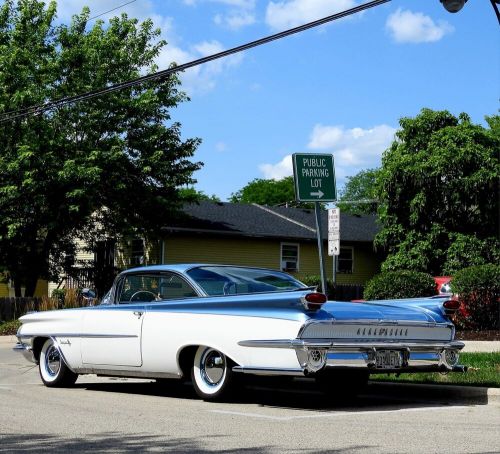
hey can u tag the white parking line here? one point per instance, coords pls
(337, 413)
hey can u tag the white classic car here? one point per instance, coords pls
(212, 323)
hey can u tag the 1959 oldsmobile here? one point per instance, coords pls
(212, 323)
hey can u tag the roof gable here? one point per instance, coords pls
(267, 222)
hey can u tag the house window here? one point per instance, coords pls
(289, 257)
(345, 261)
(137, 251)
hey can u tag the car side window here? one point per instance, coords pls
(147, 288)
(174, 287)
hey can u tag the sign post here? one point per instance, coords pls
(334, 238)
(314, 176)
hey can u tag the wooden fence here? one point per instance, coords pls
(346, 292)
(13, 308)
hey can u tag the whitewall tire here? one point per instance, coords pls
(53, 370)
(212, 374)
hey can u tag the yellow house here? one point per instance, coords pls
(244, 234)
(250, 234)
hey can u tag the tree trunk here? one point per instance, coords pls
(17, 288)
(31, 282)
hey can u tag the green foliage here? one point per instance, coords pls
(266, 192)
(315, 281)
(478, 289)
(9, 328)
(399, 284)
(59, 294)
(362, 187)
(190, 194)
(437, 182)
(468, 250)
(107, 166)
(269, 192)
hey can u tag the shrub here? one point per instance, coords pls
(478, 289)
(9, 328)
(399, 284)
(316, 281)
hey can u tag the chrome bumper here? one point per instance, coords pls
(26, 350)
(316, 354)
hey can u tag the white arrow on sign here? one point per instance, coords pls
(318, 194)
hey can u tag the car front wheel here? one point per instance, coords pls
(212, 374)
(53, 370)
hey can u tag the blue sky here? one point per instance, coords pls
(340, 88)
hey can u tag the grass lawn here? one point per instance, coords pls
(484, 370)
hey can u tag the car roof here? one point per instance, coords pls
(183, 267)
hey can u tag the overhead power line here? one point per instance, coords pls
(110, 10)
(49, 105)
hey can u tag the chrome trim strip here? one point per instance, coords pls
(77, 335)
(56, 343)
(124, 373)
(268, 371)
(349, 345)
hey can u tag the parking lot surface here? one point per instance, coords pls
(120, 415)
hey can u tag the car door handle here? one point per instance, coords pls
(138, 314)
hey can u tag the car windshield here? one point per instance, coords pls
(228, 280)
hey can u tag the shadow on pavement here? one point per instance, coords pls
(302, 395)
(118, 442)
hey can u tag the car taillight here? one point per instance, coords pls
(451, 306)
(314, 301)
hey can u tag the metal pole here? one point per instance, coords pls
(317, 212)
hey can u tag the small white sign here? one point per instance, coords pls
(334, 247)
(334, 220)
(333, 236)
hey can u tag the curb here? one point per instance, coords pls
(476, 394)
(8, 340)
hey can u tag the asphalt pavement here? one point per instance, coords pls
(122, 415)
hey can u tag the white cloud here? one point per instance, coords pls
(199, 79)
(235, 20)
(277, 171)
(290, 13)
(408, 27)
(354, 149)
(237, 3)
(221, 147)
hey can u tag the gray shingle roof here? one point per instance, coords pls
(267, 222)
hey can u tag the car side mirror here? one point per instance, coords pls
(89, 296)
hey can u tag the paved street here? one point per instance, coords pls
(117, 415)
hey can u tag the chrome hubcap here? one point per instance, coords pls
(212, 367)
(52, 361)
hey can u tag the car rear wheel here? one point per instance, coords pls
(53, 370)
(212, 374)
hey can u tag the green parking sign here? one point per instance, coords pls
(314, 176)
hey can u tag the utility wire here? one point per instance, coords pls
(111, 10)
(38, 109)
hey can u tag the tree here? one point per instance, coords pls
(266, 192)
(190, 194)
(439, 186)
(360, 187)
(109, 164)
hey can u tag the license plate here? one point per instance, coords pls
(388, 359)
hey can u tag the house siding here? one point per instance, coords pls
(231, 251)
(266, 253)
(41, 289)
